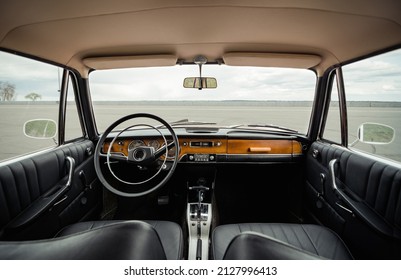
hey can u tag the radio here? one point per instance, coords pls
(201, 157)
(200, 144)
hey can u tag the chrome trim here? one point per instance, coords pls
(61, 200)
(344, 208)
(332, 164)
(71, 169)
(263, 155)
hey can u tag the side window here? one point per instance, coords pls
(73, 128)
(29, 105)
(332, 131)
(373, 90)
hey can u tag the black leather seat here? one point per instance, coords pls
(277, 241)
(135, 240)
(169, 233)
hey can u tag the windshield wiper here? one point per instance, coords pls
(273, 126)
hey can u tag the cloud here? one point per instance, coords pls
(234, 83)
(30, 76)
(376, 79)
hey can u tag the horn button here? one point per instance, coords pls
(141, 154)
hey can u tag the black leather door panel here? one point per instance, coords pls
(365, 209)
(26, 185)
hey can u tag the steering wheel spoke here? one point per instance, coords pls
(115, 156)
(162, 150)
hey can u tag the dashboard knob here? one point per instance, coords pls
(211, 158)
(191, 157)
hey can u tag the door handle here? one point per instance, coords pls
(71, 169)
(332, 165)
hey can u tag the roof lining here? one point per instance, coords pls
(73, 55)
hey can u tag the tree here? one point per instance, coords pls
(33, 96)
(7, 91)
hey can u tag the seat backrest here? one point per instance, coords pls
(254, 246)
(132, 240)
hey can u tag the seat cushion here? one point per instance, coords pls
(170, 234)
(313, 239)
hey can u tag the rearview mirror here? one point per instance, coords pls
(374, 133)
(40, 129)
(200, 83)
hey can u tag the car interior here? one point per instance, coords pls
(100, 170)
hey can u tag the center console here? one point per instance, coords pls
(199, 218)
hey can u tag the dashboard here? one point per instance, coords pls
(223, 147)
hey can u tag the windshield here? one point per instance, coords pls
(244, 95)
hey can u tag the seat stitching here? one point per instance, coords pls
(365, 190)
(5, 200)
(19, 205)
(35, 169)
(388, 213)
(155, 225)
(274, 234)
(310, 239)
(40, 185)
(297, 237)
(239, 228)
(371, 188)
(375, 206)
(284, 233)
(260, 228)
(27, 183)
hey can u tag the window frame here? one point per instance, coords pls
(335, 75)
(71, 76)
(67, 74)
(337, 71)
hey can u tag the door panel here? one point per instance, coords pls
(30, 206)
(365, 207)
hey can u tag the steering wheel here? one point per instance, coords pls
(142, 156)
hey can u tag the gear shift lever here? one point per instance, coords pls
(200, 189)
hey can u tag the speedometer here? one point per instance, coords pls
(135, 144)
(154, 143)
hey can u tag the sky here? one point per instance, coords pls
(375, 79)
(234, 83)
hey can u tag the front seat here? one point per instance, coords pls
(103, 240)
(277, 241)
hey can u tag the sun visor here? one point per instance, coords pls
(287, 60)
(115, 62)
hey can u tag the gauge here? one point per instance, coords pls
(171, 152)
(136, 143)
(154, 143)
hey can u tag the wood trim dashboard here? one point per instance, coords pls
(218, 147)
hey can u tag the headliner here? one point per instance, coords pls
(68, 32)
